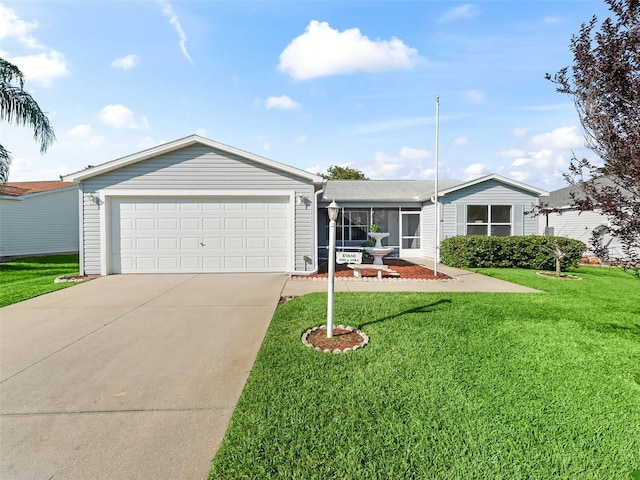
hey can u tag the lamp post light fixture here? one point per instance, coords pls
(333, 210)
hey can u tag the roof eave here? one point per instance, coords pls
(182, 143)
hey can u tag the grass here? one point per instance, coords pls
(29, 277)
(451, 386)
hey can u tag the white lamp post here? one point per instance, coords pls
(333, 210)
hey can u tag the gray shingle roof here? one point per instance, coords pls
(562, 197)
(383, 190)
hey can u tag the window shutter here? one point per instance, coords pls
(518, 219)
(461, 218)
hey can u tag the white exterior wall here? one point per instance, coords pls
(40, 223)
(199, 167)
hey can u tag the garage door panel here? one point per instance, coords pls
(168, 243)
(190, 243)
(199, 235)
(256, 263)
(234, 243)
(256, 223)
(212, 243)
(234, 223)
(145, 224)
(257, 243)
(277, 223)
(233, 262)
(146, 264)
(190, 224)
(168, 263)
(145, 244)
(212, 263)
(190, 264)
(213, 224)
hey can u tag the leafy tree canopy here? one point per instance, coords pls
(604, 82)
(336, 172)
(19, 108)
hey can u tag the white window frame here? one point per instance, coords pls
(489, 223)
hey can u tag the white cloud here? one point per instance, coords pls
(168, 12)
(322, 51)
(119, 116)
(126, 62)
(563, 138)
(281, 103)
(462, 141)
(82, 131)
(476, 170)
(413, 153)
(407, 163)
(42, 68)
(464, 12)
(202, 132)
(12, 26)
(474, 96)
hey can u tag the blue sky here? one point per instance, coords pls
(306, 83)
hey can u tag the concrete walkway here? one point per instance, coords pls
(464, 281)
(128, 376)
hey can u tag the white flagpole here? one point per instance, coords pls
(436, 257)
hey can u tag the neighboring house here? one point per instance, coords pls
(568, 221)
(38, 218)
(195, 205)
(491, 205)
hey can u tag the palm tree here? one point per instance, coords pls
(17, 106)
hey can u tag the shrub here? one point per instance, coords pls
(530, 251)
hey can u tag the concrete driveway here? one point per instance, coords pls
(128, 376)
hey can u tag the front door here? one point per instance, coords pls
(410, 234)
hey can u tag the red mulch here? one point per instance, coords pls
(404, 268)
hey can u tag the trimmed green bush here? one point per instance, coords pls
(530, 251)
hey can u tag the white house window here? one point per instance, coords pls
(353, 225)
(494, 220)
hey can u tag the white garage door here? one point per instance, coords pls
(170, 235)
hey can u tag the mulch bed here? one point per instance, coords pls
(345, 339)
(407, 270)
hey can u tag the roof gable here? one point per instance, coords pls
(182, 143)
(497, 178)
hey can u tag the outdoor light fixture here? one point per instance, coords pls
(93, 198)
(333, 210)
(300, 199)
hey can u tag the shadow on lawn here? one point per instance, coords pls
(421, 309)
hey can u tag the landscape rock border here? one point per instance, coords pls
(362, 343)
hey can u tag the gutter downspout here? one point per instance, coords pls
(315, 237)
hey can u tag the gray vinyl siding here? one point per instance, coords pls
(580, 226)
(488, 193)
(201, 168)
(40, 223)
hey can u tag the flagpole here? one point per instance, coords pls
(436, 257)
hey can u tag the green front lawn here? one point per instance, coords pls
(29, 277)
(451, 386)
